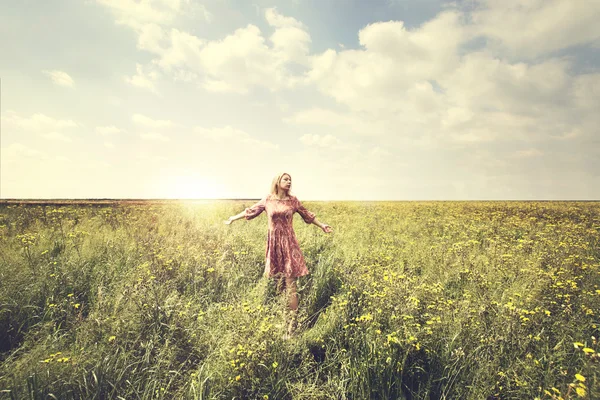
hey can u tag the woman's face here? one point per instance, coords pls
(285, 183)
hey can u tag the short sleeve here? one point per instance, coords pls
(306, 215)
(255, 210)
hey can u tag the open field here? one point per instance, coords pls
(423, 300)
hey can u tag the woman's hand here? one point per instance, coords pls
(326, 228)
(235, 218)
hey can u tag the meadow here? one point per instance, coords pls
(405, 300)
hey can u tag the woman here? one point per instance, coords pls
(284, 260)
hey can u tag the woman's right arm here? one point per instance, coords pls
(249, 213)
(235, 217)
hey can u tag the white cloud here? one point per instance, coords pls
(290, 38)
(61, 78)
(208, 16)
(17, 152)
(136, 12)
(319, 116)
(320, 141)
(154, 136)
(147, 159)
(152, 38)
(145, 121)
(109, 145)
(424, 85)
(586, 91)
(378, 152)
(241, 60)
(281, 21)
(108, 130)
(233, 137)
(488, 98)
(569, 134)
(57, 136)
(536, 27)
(37, 122)
(183, 51)
(394, 60)
(292, 43)
(63, 159)
(528, 153)
(144, 80)
(485, 81)
(345, 123)
(456, 116)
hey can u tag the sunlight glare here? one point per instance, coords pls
(189, 187)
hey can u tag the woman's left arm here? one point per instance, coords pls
(326, 228)
(310, 218)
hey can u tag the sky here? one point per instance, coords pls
(356, 100)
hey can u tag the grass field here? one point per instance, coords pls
(415, 300)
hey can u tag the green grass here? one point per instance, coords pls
(409, 300)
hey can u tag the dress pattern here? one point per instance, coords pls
(283, 255)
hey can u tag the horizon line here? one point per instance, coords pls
(131, 199)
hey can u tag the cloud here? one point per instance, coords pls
(529, 153)
(18, 152)
(320, 141)
(239, 61)
(144, 80)
(585, 91)
(491, 98)
(485, 81)
(569, 134)
(152, 38)
(490, 83)
(148, 122)
(137, 12)
(343, 122)
(145, 156)
(232, 136)
(530, 29)
(244, 59)
(290, 39)
(57, 136)
(280, 21)
(63, 159)
(320, 116)
(37, 122)
(208, 16)
(61, 78)
(108, 130)
(431, 85)
(154, 136)
(378, 152)
(457, 116)
(393, 61)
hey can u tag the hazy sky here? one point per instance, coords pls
(356, 99)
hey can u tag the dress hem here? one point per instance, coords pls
(276, 275)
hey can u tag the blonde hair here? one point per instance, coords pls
(275, 183)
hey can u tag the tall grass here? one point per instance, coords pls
(410, 300)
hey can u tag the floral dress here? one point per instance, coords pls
(283, 254)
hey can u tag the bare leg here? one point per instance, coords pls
(290, 283)
(281, 283)
(293, 303)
